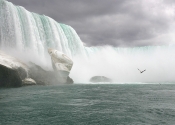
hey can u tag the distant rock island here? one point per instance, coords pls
(15, 73)
(100, 79)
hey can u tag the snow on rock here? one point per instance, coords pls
(12, 71)
(28, 81)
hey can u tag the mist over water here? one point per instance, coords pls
(28, 56)
(27, 36)
(121, 64)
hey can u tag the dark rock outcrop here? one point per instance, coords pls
(9, 77)
(100, 79)
(14, 73)
(69, 80)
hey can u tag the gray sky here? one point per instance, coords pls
(124, 23)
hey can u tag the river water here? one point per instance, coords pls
(80, 104)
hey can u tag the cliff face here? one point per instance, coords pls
(13, 73)
(9, 77)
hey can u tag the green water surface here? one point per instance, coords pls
(88, 105)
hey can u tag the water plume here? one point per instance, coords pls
(121, 64)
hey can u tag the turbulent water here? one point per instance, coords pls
(88, 105)
(28, 35)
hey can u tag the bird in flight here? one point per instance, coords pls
(142, 71)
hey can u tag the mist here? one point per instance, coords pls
(122, 64)
(28, 55)
(119, 64)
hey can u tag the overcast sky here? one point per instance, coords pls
(124, 23)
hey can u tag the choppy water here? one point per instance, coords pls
(88, 105)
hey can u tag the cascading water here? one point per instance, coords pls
(30, 32)
(28, 36)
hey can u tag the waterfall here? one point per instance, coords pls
(26, 31)
(28, 35)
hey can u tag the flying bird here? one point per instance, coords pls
(142, 71)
